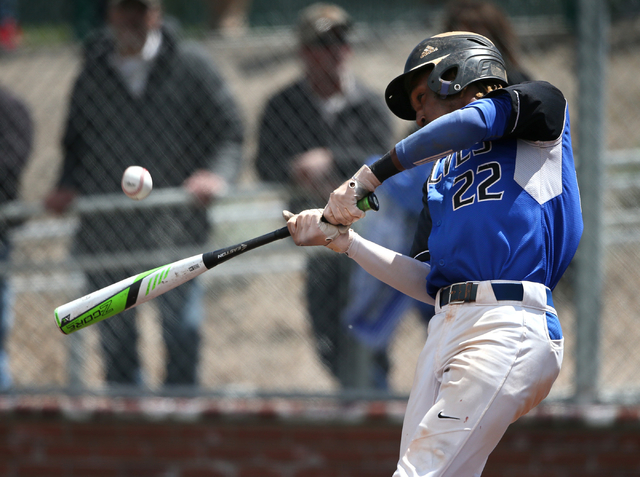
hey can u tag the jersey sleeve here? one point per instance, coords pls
(537, 110)
(452, 132)
(481, 120)
(532, 111)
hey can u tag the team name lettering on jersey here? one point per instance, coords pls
(472, 185)
(434, 178)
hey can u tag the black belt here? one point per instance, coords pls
(466, 292)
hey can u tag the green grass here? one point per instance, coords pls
(46, 35)
(38, 36)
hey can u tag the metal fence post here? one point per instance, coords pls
(593, 22)
(75, 365)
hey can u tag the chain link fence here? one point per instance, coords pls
(255, 331)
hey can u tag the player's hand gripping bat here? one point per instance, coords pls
(133, 291)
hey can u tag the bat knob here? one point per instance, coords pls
(369, 202)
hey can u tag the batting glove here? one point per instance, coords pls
(308, 229)
(342, 207)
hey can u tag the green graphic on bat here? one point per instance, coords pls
(110, 306)
(157, 279)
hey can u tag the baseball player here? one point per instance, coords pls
(504, 202)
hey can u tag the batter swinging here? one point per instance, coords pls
(505, 209)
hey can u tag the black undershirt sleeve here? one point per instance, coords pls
(384, 168)
(420, 246)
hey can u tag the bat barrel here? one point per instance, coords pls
(128, 293)
(133, 291)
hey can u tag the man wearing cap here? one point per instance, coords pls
(144, 98)
(312, 134)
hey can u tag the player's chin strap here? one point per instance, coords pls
(444, 88)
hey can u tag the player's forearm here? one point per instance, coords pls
(403, 273)
(452, 132)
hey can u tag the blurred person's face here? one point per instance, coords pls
(131, 22)
(326, 63)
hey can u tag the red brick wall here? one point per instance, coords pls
(53, 437)
(570, 449)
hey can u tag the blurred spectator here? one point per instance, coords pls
(10, 34)
(487, 19)
(313, 134)
(144, 98)
(16, 140)
(229, 17)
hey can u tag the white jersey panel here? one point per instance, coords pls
(539, 169)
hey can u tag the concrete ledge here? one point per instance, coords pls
(194, 409)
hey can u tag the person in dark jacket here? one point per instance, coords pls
(143, 98)
(311, 134)
(16, 142)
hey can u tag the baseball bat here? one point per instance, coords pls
(138, 289)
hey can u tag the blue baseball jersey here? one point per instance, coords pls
(508, 207)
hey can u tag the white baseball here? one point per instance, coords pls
(137, 182)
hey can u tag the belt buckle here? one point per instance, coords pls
(467, 290)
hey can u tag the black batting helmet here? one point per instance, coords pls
(472, 56)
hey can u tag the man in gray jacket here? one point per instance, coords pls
(142, 98)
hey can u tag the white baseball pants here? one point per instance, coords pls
(484, 364)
